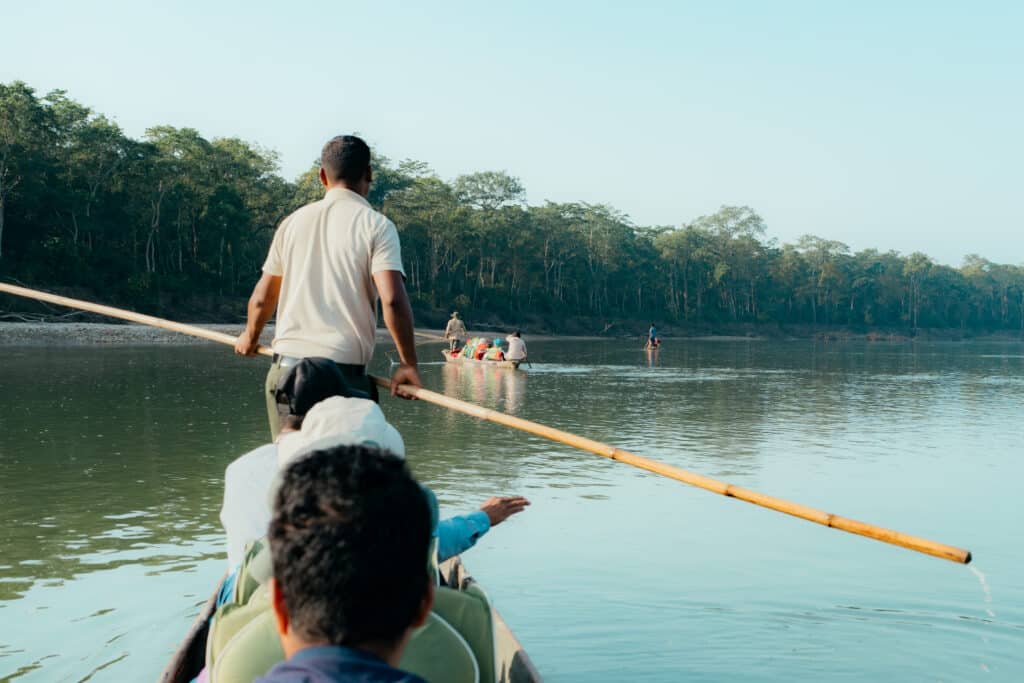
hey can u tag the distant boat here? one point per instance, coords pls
(456, 358)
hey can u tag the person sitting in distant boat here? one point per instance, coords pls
(349, 542)
(469, 350)
(516, 347)
(481, 349)
(455, 332)
(494, 351)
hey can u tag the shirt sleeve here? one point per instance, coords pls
(456, 535)
(274, 265)
(387, 250)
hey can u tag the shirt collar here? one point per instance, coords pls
(336, 193)
(338, 653)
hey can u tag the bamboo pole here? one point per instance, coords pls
(131, 316)
(921, 545)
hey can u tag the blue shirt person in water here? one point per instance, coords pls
(350, 537)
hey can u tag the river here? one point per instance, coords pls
(112, 459)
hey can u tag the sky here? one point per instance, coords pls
(879, 124)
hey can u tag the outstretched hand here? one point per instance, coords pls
(405, 374)
(499, 509)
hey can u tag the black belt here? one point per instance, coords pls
(346, 368)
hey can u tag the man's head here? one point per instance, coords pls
(516, 334)
(455, 314)
(349, 538)
(345, 162)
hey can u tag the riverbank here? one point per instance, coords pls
(95, 334)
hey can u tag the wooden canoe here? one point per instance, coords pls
(513, 665)
(454, 358)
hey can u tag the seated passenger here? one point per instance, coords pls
(349, 540)
(481, 349)
(246, 509)
(494, 351)
(333, 421)
(516, 347)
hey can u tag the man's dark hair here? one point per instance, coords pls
(345, 158)
(349, 539)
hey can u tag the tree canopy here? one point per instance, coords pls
(176, 223)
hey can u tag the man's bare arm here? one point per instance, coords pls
(262, 305)
(398, 319)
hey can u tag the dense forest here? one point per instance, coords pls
(176, 224)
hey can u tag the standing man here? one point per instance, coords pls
(455, 332)
(327, 265)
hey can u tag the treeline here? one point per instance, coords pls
(175, 223)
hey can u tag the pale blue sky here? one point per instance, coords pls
(881, 124)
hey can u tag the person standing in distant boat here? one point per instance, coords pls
(516, 347)
(652, 336)
(455, 332)
(328, 264)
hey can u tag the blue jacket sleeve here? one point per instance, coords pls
(458, 534)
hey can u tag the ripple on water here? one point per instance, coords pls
(612, 574)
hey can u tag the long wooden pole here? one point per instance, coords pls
(922, 545)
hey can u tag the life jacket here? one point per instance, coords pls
(494, 354)
(481, 349)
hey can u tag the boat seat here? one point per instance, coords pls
(233, 619)
(455, 645)
(255, 570)
(468, 613)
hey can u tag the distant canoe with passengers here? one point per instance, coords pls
(457, 358)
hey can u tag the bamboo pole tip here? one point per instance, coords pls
(968, 557)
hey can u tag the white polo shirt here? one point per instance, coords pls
(327, 253)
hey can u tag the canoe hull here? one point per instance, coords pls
(509, 364)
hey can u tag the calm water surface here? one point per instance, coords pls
(111, 465)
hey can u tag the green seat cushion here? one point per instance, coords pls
(437, 653)
(229, 619)
(253, 650)
(255, 571)
(469, 612)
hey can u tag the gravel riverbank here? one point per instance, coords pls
(92, 334)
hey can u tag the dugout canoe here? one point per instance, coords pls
(455, 358)
(513, 665)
